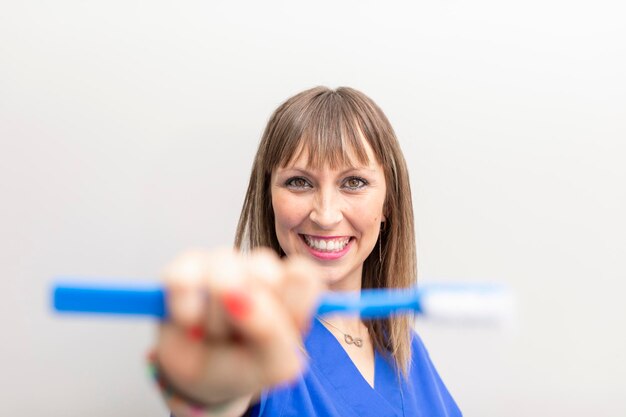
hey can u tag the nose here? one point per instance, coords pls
(326, 211)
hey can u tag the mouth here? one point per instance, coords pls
(326, 244)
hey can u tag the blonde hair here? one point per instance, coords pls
(329, 124)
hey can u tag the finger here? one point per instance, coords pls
(195, 282)
(227, 273)
(264, 268)
(267, 329)
(296, 282)
(183, 281)
(302, 288)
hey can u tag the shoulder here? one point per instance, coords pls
(416, 341)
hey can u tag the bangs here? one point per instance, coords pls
(331, 133)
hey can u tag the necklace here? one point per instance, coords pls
(356, 341)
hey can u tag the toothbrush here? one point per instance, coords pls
(453, 302)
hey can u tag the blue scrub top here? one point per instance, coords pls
(332, 386)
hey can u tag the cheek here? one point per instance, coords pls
(368, 216)
(288, 212)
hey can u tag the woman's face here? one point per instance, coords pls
(331, 216)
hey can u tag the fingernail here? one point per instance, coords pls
(237, 304)
(195, 333)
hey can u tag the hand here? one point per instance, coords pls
(235, 322)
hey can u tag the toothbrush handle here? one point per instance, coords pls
(146, 300)
(371, 303)
(150, 301)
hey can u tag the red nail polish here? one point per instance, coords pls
(195, 333)
(237, 304)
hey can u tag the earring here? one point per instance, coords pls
(380, 243)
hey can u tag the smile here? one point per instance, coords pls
(327, 248)
(326, 244)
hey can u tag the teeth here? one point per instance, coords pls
(333, 245)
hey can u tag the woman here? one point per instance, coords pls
(328, 207)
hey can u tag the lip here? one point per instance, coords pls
(327, 256)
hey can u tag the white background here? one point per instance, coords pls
(128, 128)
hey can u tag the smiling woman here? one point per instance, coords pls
(329, 196)
(333, 216)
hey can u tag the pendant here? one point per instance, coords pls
(357, 341)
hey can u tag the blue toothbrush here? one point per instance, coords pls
(447, 301)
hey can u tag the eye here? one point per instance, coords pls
(298, 183)
(354, 183)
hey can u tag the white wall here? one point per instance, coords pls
(127, 129)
